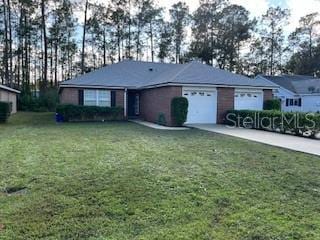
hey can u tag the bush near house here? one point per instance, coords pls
(89, 113)
(179, 108)
(46, 102)
(5, 110)
(274, 104)
(292, 122)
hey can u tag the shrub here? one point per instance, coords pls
(297, 123)
(44, 103)
(274, 104)
(179, 108)
(89, 113)
(162, 119)
(5, 110)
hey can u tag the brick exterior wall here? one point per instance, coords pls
(71, 96)
(267, 94)
(158, 100)
(225, 102)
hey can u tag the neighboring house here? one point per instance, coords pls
(9, 95)
(297, 93)
(145, 90)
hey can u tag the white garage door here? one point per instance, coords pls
(202, 105)
(248, 100)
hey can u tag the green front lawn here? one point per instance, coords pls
(124, 181)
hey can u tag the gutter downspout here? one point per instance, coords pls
(125, 104)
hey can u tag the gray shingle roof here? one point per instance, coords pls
(298, 84)
(136, 74)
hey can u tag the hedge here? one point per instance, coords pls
(89, 113)
(274, 104)
(5, 110)
(292, 122)
(179, 110)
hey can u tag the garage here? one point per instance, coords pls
(248, 100)
(202, 105)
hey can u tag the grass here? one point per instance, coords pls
(124, 181)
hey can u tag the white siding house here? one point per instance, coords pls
(297, 93)
(9, 95)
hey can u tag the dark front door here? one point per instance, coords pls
(133, 104)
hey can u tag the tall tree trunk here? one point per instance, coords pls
(310, 44)
(6, 45)
(10, 46)
(151, 40)
(56, 64)
(84, 38)
(272, 57)
(51, 63)
(119, 43)
(104, 48)
(129, 37)
(45, 44)
(138, 42)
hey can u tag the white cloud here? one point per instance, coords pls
(298, 9)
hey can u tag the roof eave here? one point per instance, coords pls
(10, 89)
(93, 86)
(207, 85)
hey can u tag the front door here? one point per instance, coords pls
(133, 104)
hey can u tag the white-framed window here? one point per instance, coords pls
(293, 102)
(101, 98)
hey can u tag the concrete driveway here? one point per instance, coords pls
(311, 146)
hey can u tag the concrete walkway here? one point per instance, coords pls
(300, 144)
(157, 126)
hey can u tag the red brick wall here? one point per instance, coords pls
(267, 94)
(225, 102)
(71, 96)
(119, 98)
(158, 100)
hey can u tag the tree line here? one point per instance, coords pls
(44, 42)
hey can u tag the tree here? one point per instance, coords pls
(165, 41)
(234, 29)
(84, 36)
(205, 30)
(118, 18)
(139, 22)
(302, 44)
(153, 19)
(44, 83)
(308, 25)
(272, 36)
(180, 17)
(6, 44)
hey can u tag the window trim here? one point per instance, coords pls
(97, 98)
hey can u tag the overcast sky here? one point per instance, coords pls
(298, 8)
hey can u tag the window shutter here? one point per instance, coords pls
(300, 102)
(287, 102)
(113, 98)
(81, 97)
